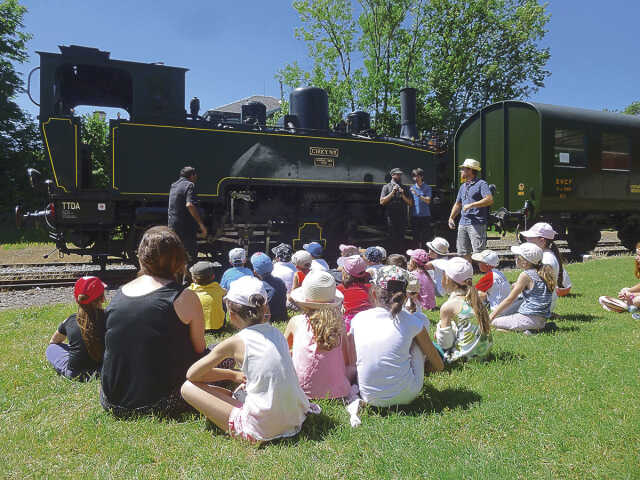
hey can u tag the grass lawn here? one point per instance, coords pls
(562, 405)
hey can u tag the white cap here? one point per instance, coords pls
(456, 268)
(301, 257)
(237, 255)
(439, 245)
(241, 290)
(529, 251)
(486, 256)
(318, 290)
(540, 229)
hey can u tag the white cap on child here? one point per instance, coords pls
(241, 290)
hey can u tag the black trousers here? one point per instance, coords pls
(422, 231)
(397, 228)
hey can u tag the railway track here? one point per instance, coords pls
(26, 276)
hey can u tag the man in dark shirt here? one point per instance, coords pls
(184, 217)
(395, 197)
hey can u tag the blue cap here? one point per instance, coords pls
(314, 248)
(373, 255)
(261, 263)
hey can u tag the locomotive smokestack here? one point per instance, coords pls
(408, 128)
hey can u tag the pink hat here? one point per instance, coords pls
(419, 256)
(540, 229)
(355, 266)
(456, 268)
(348, 250)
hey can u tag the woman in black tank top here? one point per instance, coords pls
(154, 332)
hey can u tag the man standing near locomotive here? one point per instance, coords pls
(394, 197)
(473, 200)
(183, 214)
(420, 212)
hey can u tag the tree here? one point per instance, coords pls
(633, 109)
(459, 54)
(95, 135)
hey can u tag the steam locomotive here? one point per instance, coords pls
(258, 185)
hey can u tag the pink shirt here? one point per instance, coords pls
(321, 373)
(427, 295)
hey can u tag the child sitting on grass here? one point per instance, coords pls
(316, 250)
(463, 330)
(317, 338)
(272, 404)
(536, 283)
(438, 248)
(82, 356)
(628, 297)
(209, 293)
(302, 260)
(493, 287)
(354, 288)
(237, 259)
(417, 263)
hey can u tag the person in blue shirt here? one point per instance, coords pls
(473, 202)
(420, 212)
(237, 258)
(277, 298)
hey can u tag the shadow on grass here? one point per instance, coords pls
(573, 295)
(504, 357)
(577, 317)
(434, 401)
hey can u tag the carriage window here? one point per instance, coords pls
(569, 148)
(616, 152)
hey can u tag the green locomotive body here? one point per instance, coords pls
(574, 168)
(258, 185)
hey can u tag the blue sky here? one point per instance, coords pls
(233, 49)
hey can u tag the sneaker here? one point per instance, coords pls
(550, 327)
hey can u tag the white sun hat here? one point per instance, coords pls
(529, 251)
(439, 245)
(318, 290)
(472, 164)
(540, 229)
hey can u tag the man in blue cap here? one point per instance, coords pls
(316, 251)
(262, 268)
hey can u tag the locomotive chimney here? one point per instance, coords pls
(408, 127)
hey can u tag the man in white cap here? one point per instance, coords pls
(473, 202)
(395, 197)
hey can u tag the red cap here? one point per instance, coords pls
(92, 287)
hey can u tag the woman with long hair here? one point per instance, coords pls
(154, 332)
(81, 358)
(392, 347)
(535, 285)
(463, 330)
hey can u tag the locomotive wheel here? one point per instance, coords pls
(582, 239)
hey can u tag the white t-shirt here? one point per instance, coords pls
(499, 287)
(319, 264)
(548, 258)
(285, 272)
(436, 276)
(382, 351)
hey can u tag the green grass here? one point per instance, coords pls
(562, 405)
(11, 238)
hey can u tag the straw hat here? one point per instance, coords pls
(472, 164)
(318, 290)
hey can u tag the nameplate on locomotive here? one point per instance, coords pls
(324, 162)
(324, 152)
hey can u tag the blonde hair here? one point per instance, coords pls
(327, 326)
(90, 319)
(479, 308)
(254, 314)
(545, 272)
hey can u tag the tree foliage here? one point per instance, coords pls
(459, 54)
(633, 109)
(95, 135)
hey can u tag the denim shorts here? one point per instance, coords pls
(471, 238)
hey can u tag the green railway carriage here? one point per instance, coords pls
(574, 168)
(258, 184)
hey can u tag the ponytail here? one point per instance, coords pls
(391, 298)
(90, 320)
(554, 249)
(545, 272)
(472, 298)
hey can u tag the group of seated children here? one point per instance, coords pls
(368, 334)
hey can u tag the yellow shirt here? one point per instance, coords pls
(211, 299)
